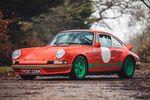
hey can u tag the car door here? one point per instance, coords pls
(103, 55)
(111, 52)
(107, 53)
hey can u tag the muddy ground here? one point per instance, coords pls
(98, 87)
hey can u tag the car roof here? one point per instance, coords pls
(88, 30)
(95, 31)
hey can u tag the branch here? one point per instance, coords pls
(148, 6)
(104, 6)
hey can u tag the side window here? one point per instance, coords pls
(89, 38)
(86, 38)
(115, 43)
(105, 40)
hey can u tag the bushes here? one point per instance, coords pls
(5, 45)
(14, 34)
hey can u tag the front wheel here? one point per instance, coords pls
(128, 68)
(27, 77)
(79, 68)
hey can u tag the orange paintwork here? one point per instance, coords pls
(37, 57)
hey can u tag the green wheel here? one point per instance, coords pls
(128, 68)
(27, 77)
(79, 68)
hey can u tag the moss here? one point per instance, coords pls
(6, 69)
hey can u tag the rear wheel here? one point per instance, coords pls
(79, 68)
(27, 77)
(128, 68)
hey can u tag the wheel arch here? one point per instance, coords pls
(83, 55)
(131, 57)
(80, 55)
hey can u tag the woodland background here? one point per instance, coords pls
(29, 23)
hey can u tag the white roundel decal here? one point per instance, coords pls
(106, 55)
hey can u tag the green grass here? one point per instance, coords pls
(6, 69)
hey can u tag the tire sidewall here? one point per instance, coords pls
(27, 77)
(122, 73)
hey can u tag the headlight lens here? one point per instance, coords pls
(60, 53)
(16, 54)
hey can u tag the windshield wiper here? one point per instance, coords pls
(73, 43)
(60, 44)
(68, 43)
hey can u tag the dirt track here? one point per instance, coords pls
(92, 88)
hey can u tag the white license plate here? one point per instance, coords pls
(31, 71)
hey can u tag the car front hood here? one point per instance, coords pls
(40, 54)
(44, 53)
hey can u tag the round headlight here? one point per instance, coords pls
(60, 53)
(16, 54)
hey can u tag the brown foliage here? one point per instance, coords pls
(142, 42)
(5, 45)
(13, 38)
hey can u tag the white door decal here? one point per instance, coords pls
(106, 54)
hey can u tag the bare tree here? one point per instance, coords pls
(116, 7)
(146, 3)
(112, 9)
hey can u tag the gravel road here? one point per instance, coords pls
(100, 87)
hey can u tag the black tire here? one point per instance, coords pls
(27, 77)
(79, 68)
(128, 68)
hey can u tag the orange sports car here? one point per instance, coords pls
(77, 53)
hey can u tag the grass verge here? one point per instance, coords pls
(6, 69)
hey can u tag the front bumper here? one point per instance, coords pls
(44, 69)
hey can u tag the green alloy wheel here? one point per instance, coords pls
(128, 68)
(79, 68)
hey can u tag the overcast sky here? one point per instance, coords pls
(118, 27)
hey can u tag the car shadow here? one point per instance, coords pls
(90, 78)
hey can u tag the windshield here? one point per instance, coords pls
(80, 38)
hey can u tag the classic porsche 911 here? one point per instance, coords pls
(77, 53)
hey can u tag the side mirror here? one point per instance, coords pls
(97, 44)
(129, 46)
